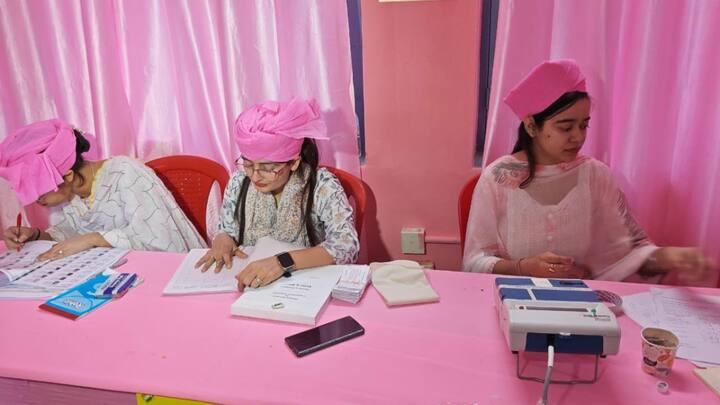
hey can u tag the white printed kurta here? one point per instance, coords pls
(572, 209)
(332, 217)
(131, 208)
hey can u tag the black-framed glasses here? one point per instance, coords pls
(267, 171)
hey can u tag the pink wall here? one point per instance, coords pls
(421, 82)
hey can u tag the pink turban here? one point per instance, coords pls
(544, 85)
(275, 130)
(34, 158)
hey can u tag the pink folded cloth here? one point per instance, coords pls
(544, 85)
(34, 158)
(275, 130)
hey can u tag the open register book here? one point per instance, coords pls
(23, 277)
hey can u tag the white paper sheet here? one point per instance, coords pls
(189, 280)
(641, 309)
(694, 318)
(14, 264)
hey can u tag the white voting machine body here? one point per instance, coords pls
(536, 313)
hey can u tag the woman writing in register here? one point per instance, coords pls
(117, 202)
(279, 191)
(546, 211)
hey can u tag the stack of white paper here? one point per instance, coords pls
(694, 318)
(352, 284)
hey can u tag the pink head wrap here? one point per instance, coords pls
(275, 130)
(543, 85)
(34, 158)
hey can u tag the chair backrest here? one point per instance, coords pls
(190, 179)
(464, 200)
(355, 189)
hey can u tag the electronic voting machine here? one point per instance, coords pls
(536, 313)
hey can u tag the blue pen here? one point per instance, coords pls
(125, 286)
(116, 285)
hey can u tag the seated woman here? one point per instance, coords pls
(118, 202)
(546, 211)
(290, 199)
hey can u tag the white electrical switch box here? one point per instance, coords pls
(413, 241)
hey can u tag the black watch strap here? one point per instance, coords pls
(286, 262)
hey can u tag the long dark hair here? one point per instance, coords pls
(81, 146)
(309, 158)
(525, 141)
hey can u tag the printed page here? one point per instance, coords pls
(14, 264)
(61, 274)
(694, 318)
(189, 280)
(641, 309)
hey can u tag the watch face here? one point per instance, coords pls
(286, 260)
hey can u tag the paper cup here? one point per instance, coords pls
(658, 349)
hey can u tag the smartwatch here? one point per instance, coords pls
(286, 262)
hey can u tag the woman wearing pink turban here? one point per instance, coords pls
(118, 202)
(279, 191)
(547, 211)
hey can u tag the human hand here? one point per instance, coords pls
(259, 273)
(17, 236)
(68, 247)
(683, 264)
(550, 264)
(222, 251)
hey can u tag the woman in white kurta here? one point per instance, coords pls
(118, 202)
(547, 211)
(130, 208)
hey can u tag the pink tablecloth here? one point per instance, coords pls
(450, 352)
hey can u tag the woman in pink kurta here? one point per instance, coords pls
(547, 211)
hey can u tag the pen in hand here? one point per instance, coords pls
(17, 232)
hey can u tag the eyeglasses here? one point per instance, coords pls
(267, 171)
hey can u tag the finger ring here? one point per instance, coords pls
(258, 280)
(60, 252)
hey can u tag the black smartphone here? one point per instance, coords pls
(324, 336)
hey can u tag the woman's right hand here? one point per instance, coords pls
(15, 236)
(222, 251)
(548, 265)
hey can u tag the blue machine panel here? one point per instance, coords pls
(565, 295)
(514, 293)
(577, 344)
(514, 281)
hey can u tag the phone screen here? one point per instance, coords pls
(324, 336)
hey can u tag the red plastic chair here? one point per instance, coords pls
(464, 200)
(355, 189)
(189, 179)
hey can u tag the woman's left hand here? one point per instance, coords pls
(68, 247)
(259, 273)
